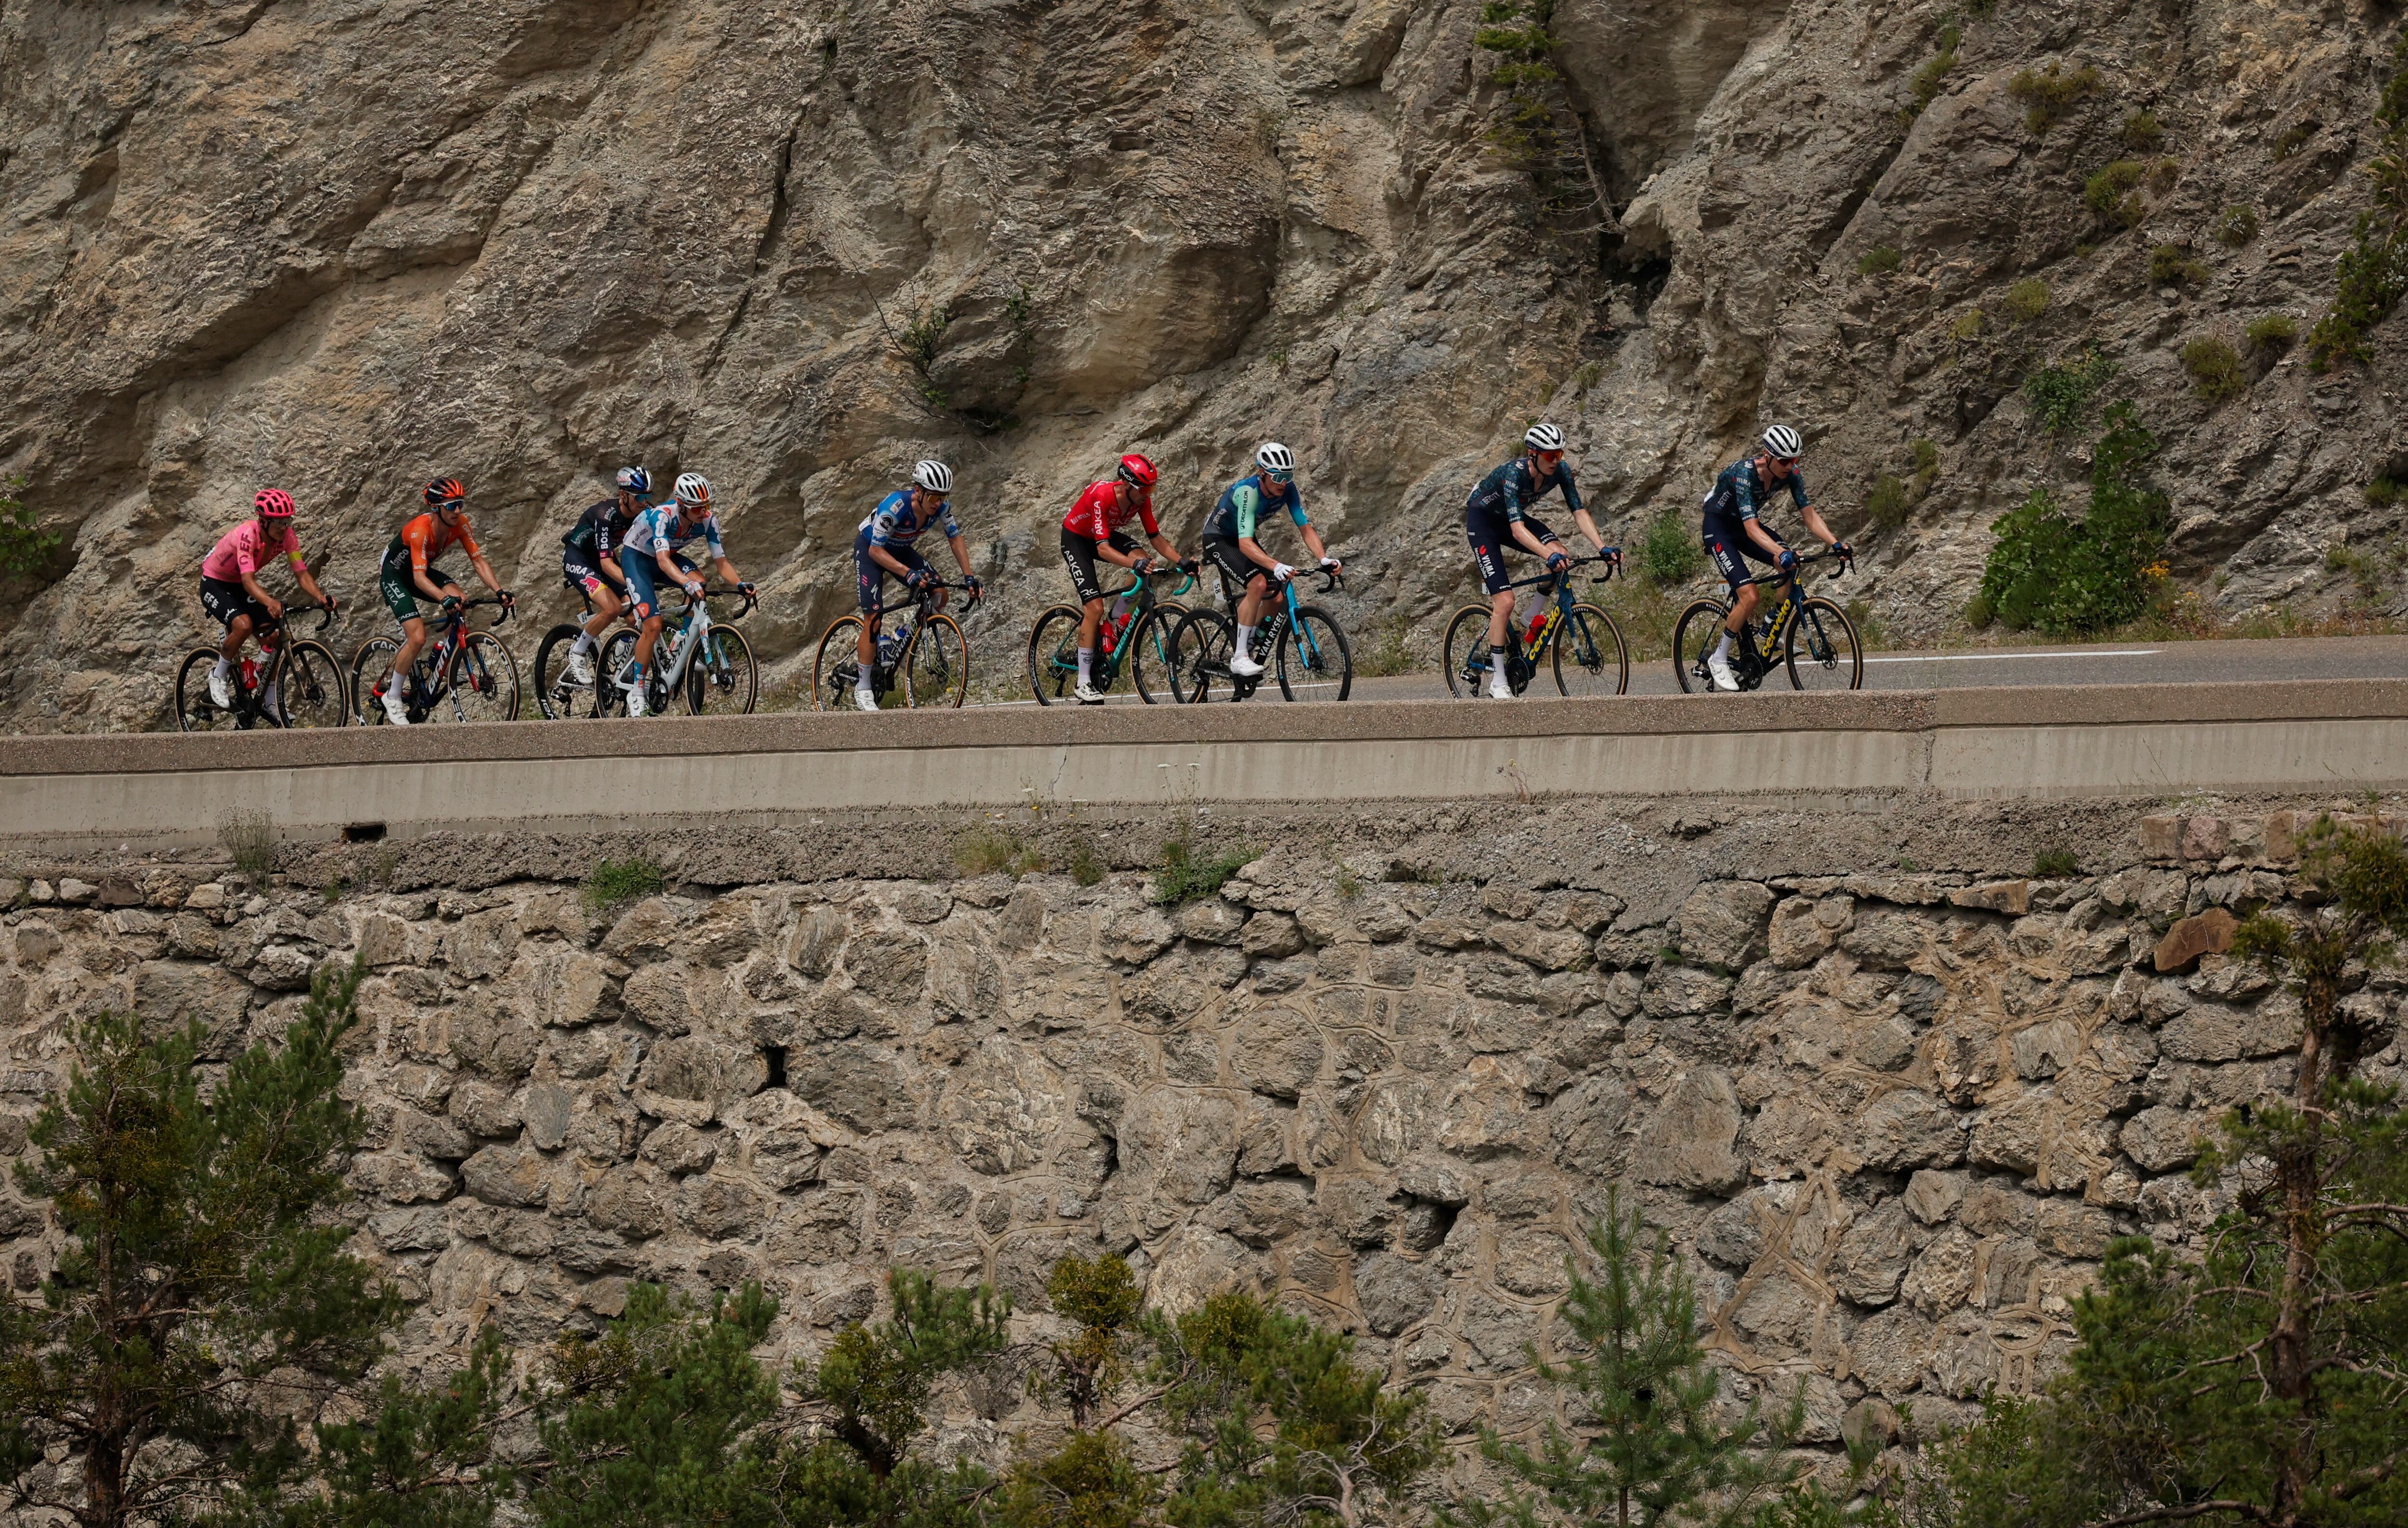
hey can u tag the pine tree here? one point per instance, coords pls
(1651, 1448)
(199, 1263)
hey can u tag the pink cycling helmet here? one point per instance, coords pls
(274, 504)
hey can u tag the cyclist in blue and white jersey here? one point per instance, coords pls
(1232, 541)
(651, 549)
(882, 550)
(1496, 513)
(1734, 533)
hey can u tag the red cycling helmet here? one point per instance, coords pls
(443, 491)
(1137, 470)
(274, 504)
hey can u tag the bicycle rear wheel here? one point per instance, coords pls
(1199, 657)
(839, 661)
(1149, 652)
(194, 710)
(1053, 655)
(937, 665)
(1314, 663)
(556, 695)
(371, 671)
(721, 679)
(1465, 652)
(1590, 657)
(1824, 653)
(1700, 629)
(484, 681)
(309, 688)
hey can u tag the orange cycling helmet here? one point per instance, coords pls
(273, 504)
(1137, 470)
(444, 491)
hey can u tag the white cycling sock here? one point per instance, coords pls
(1722, 649)
(224, 669)
(584, 643)
(1245, 640)
(1086, 666)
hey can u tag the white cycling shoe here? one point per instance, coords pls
(395, 711)
(1087, 694)
(1721, 670)
(865, 700)
(1244, 667)
(220, 691)
(580, 668)
(635, 701)
(1499, 688)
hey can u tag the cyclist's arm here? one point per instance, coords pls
(727, 569)
(1312, 543)
(418, 575)
(250, 586)
(1254, 553)
(485, 572)
(309, 582)
(1162, 544)
(1815, 523)
(1588, 528)
(884, 559)
(1762, 537)
(961, 550)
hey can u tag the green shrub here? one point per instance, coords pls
(2174, 264)
(1390, 650)
(2069, 576)
(2272, 332)
(2383, 491)
(2056, 865)
(990, 849)
(2143, 131)
(1925, 456)
(614, 884)
(1934, 73)
(2237, 227)
(2048, 94)
(2027, 299)
(2364, 569)
(1188, 874)
(1671, 553)
(2060, 394)
(2215, 367)
(25, 548)
(249, 840)
(1980, 612)
(1967, 326)
(1886, 502)
(2374, 270)
(2110, 193)
(1880, 261)
(2294, 138)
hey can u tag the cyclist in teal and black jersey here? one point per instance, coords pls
(1497, 514)
(1231, 540)
(1734, 533)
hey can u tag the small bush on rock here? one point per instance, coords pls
(2237, 227)
(2060, 394)
(2027, 299)
(2143, 131)
(2215, 367)
(2272, 332)
(2111, 194)
(25, 548)
(2174, 264)
(614, 884)
(1880, 261)
(2069, 576)
(2048, 94)
(1669, 555)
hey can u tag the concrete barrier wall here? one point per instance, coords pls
(157, 790)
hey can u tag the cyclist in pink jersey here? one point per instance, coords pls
(230, 588)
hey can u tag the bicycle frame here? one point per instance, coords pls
(1284, 616)
(918, 608)
(432, 672)
(1785, 615)
(1559, 608)
(1146, 600)
(692, 626)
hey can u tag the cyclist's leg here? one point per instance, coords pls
(643, 601)
(1488, 555)
(579, 572)
(1731, 560)
(870, 579)
(401, 598)
(1079, 558)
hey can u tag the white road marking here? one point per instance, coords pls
(2001, 657)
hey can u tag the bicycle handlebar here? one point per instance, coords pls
(751, 599)
(1847, 560)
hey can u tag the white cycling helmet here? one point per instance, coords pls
(692, 488)
(1543, 436)
(1273, 457)
(935, 477)
(1783, 442)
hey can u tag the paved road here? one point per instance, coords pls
(2165, 662)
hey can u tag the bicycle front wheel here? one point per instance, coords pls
(1314, 663)
(1694, 638)
(310, 690)
(556, 695)
(1590, 658)
(484, 681)
(371, 671)
(1149, 652)
(1465, 652)
(194, 710)
(1824, 653)
(1199, 657)
(834, 670)
(937, 665)
(722, 680)
(1053, 655)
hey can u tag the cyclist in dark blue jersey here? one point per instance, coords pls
(589, 560)
(1233, 541)
(1497, 515)
(1734, 532)
(882, 550)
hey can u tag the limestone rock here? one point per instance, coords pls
(2210, 933)
(1722, 924)
(2161, 1139)
(1688, 1141)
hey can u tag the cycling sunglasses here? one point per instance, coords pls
(1279, 475)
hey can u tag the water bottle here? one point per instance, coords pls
(251, 674)
(889, 646)
(1537, 622)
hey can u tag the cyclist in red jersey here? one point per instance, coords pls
(1091, 530)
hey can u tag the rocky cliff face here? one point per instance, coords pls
(342, 249)
(1890, 1119)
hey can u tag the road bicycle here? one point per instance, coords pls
(556, 695)
(1139, 640)
(1813, 639)
(1580, 640)
(925, 656)
(472, 670)
(1307, 647)
(297, 683)
(709, 664)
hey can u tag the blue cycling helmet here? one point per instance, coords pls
(635, 480)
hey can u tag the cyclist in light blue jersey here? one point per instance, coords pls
(882, 550)
(1233, 542)
(651, 549)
